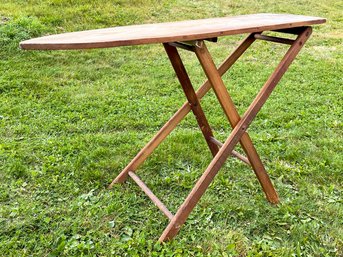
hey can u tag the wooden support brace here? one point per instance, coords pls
(193, 100)
(233, 117)
(145, 152)
(239, 125)
(236, 134)
(274, 39)
(182, 45)
(294, 31)
(234, 153)
(151, 195)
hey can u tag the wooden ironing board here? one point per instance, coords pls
(190, 35)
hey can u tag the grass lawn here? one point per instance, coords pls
(71, 120)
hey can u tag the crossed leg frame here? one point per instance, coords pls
(239, 124)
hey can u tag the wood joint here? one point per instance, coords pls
(190, 45)
(274, 39)
(294, 31)
(182, 45)
(234, 153)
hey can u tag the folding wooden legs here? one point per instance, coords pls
(239, 124)
(238, 131)
(191, 96)
(179, 115)
(233, 117)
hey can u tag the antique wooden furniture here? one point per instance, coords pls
(191, 36)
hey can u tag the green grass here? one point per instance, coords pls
(71, 120)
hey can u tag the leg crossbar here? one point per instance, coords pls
(151, 195)
(239, 124)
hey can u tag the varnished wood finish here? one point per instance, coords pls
(151, 195)
(232, 115)
(170, 31)
(193, 101)
(146, 151)
(238, 131)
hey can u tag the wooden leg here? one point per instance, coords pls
(231, 112)
(235, 136)
(180, 114)
(193, 100)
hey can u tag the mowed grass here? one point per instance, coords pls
(70, 121)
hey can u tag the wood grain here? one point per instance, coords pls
(170, 31)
